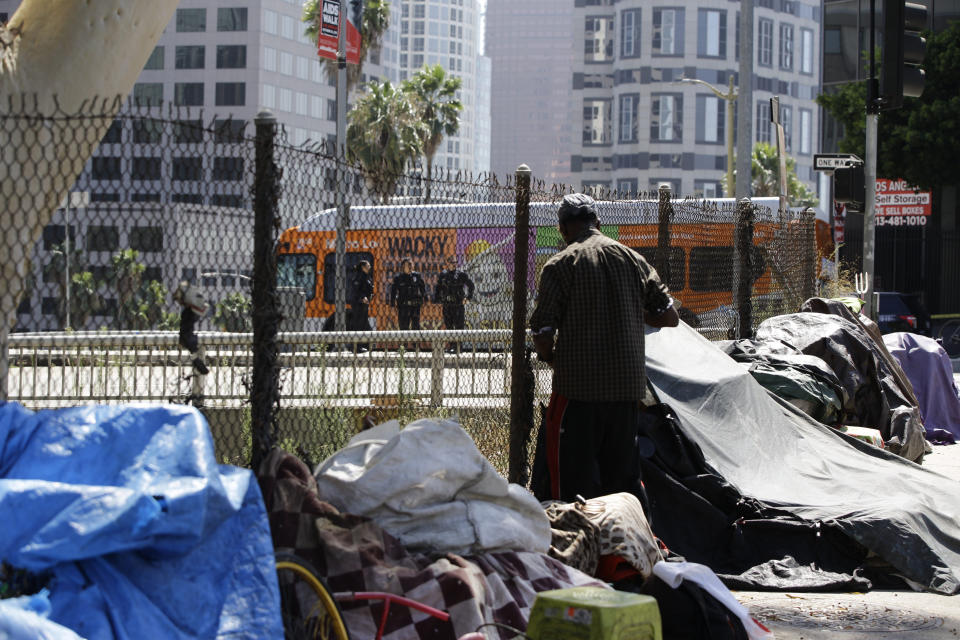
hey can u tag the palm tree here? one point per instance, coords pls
(126, 273)
(383, 136)
(373, 24)
(765, 177)
(434, 95)
(84, 297)
(56, 271)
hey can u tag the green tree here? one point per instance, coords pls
(140, 305)
(233, 313)
(919, 141)
(765, 177)
(84, 299)
(373, 24)
(383, 136)
(434, 96)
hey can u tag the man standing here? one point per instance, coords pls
(361, 290)
(454, 288)
(407, 293)
(595, 295)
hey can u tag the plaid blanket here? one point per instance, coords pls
(353, 553)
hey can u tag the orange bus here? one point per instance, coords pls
(481, 238)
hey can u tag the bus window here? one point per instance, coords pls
(678, 267)
(711, 268)
(298, 270)
(330, 272)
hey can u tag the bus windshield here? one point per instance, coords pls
(298, 270)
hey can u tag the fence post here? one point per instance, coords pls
(743, 266)
(810, 256)
(521, 379)
(661, 256)
(264, 390)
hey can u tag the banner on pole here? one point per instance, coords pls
(329, 32)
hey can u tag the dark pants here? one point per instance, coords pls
(408, 317)
(453, 316)
(360, 318)
(591, 447)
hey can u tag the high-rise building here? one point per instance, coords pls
(531, 48)
(636, 124)
(447, 32)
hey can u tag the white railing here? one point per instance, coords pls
(347, 368)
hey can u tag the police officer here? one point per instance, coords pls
(454, 288)
(361, 290)
(407, 294)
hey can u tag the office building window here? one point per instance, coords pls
(630, 33)
(223, 200)
(711, 33)
(232, 19)
(629, 122)
(228, 131)
(598, 39)
(597, 122)
(806, 118)
(786, 46)
(806, 51)
(231, 94)
(707, 189)
(146, 239)
(103, 238)
(188, 131)
(270, 20)
(187, 198)
(105, 168)
(627, 186)
(188, 94)
(231, 56)
(155, 61)
(189, 57)
(228, 168)
(146, 168)
(666, 117)
(191, 20)
(763, 121)
(269, 59)
(667, 32)
(711, 119)
(147, 131)
(188, 169)
(765, 43)
(148, 94)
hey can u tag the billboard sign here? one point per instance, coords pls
(329, 32)
(899, 204)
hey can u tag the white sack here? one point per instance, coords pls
(430, 486)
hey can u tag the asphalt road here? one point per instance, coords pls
(874, 615)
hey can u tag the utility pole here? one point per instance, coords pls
(343, 211)
(870, 172)
(745, 103)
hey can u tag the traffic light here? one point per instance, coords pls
(903, 51)
(849, 187)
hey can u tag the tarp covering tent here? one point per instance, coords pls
(770, 451)
(875, 395)
(928, 367)
(143, 533)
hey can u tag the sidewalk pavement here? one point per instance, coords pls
(876, 615)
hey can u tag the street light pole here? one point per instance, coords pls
(730, 98)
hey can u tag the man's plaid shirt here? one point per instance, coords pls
(594, 293)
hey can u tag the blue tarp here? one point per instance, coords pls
(145, 535)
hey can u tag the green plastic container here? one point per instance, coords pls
(592, 613)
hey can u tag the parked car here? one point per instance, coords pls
(902, 312)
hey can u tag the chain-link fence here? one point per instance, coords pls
(434, 273)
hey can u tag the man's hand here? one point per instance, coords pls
(543, 343)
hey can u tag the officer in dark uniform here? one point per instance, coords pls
(407, 294)
(361, 291)
(454, 288)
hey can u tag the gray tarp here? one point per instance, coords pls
(771, 451)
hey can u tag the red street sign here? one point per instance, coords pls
(899, 204)
(329, 32)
